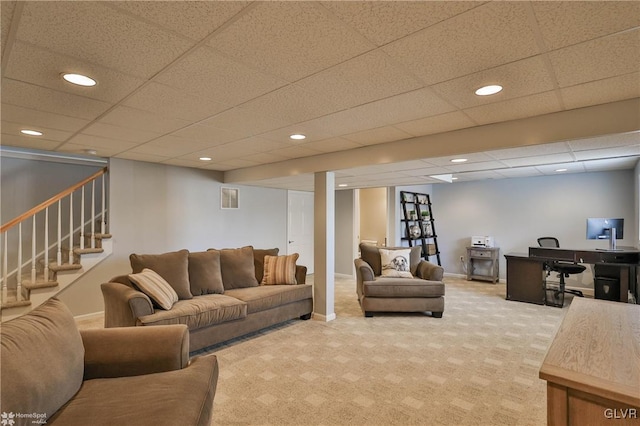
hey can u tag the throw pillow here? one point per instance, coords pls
(258, 260)
(280, 269)
(154, 286)
(173, 267)
(395, 263)
(238, 270)
(205, 275)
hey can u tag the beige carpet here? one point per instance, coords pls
(478, 365)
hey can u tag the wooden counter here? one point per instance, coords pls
(592, 367)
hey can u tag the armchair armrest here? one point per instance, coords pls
(364, 271)
(301, 274)
(134, 351)
(123, 305)
(429, 271)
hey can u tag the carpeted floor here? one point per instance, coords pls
(478, 365)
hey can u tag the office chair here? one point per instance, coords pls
(564, 269)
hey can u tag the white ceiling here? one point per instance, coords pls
(232, 80)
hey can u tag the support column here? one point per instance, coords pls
(324, 246)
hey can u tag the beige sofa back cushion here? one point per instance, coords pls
(172, 266)
(238, 269)
(371, 254)
(42, 360)
(205, 274)
(258, 260)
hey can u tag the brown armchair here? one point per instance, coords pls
(421, 291)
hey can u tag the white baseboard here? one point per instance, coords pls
(323, 318)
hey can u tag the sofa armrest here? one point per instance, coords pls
(134, 351)
(301, 274)
(429, 271)
(364, 271)
(123, 305)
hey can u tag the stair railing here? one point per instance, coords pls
(12, 261)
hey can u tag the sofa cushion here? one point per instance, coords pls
(258, 260)
(179, 397)
(271, 296)
(205, 275)
(403, 287)
(42, 360)
(371, 254)
(172, 266)
(154, 286)
(395, 263)
(280, 269)
(238, 270)
(201, 311)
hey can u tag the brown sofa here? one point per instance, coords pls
(422, 290)
(55, 374)
(220, 292)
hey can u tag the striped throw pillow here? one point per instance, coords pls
(156, 287)
(280, 269)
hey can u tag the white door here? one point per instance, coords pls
(300, 227)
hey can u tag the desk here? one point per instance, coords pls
(592, 367)
(525, 278)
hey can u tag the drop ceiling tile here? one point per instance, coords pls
(49, 120)
(44, 68)
(602, 91)
(116, 132)
(530, 151)
(597, 59)
(379, 135)
(490, 35)
(363, 79)
(208, 74)
(265, 157)
(6, 15)
(520, 78)
(611, 164)
(50, 134)
(100, 143)
(237, 163)
(193, 19)
(382, 22)
(476, 166)
(310, 129)
(290, 104)
(331, 145)
(289, 39)
(436, 124)
(169, 146)
(538, 160)
(224, 152)
(295, 152)
(427, 171)
(564, 23)
(622, 151)
(260, 144)
(133, 118)
(150, 158)
(608, 141)
(517, 172)
(475, 157)
(208, 135)
(169, 102)
(185, 163)
(552, 169)
(48, 100)
(74, 148)
(240, 119)
(125, 43)
(24, 142)
(542, 103)
(479, 175)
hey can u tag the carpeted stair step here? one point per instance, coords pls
(80, 251)
(54, 267)
(39, 284)
(99, 236)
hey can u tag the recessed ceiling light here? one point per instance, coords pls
(297, 137)
(454, 178)
(90, 152)
(343, 185)
(79, 79)
(459, 160)
(561, 170)
(205, 158)
(31, 132)
(488, 90)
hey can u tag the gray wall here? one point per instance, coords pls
(344, 232)
(157, 208)
(518, 211)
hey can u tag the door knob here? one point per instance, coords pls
(290, 242)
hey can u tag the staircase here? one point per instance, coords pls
(33, 269)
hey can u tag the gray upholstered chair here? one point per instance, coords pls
(422, 290)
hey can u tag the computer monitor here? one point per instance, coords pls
(599, 228)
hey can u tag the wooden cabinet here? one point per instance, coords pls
(489, 259)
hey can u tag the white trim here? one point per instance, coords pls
(324, 318)
(55, 157)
